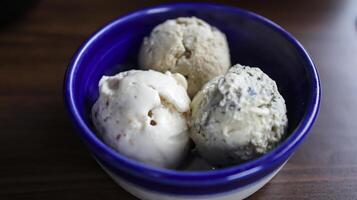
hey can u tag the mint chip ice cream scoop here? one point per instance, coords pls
(237, 116)
(142, 115)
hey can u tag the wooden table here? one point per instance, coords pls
(42, 158)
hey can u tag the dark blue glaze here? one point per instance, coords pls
(253, 41)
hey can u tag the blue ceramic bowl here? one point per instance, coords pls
(253, 41)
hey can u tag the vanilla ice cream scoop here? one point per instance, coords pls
(189, 46)
(237, 116)
(142, 115)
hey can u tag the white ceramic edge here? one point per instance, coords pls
(237, 194)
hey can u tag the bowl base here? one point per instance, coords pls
(237, 194)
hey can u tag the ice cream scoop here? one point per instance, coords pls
(142, 115)
(189, 46)
(237, 116)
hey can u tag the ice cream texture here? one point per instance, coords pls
(238, 116)
(189, 46)
(142, 115)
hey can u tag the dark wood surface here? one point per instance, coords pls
(42, 158)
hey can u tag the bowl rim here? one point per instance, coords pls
(232, 173)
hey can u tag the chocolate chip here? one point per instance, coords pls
(118, 137)
(153, 123)
(188, 54)
(150, 113)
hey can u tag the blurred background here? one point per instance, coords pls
(41, 157)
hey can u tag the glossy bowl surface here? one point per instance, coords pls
(253, 41)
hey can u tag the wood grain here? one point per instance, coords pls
(42, 158)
